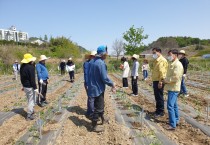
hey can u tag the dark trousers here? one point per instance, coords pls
(90, 104)
(71, 74)
(43, 90)
(62, 71)
(125, 82)
(134, 85)
(158, 98)
(98, 107)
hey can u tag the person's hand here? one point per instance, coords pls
(36, 91)
(134, 77)
(40, 81)
(113, 89)
(160, 85)
(22, 89)
(184, 75)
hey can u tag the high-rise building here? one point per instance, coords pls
(13, 34)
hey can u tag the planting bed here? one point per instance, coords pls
(188, 132)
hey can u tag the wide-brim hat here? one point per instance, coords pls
(93, 53)
(135, 56)
(70, 58)
(28, 58)
(16, 61)
(43, 57)
(182, 52)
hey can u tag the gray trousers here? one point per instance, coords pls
(30, 94)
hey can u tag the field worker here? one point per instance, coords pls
(62, 67)
(27, 77)
(97, 80)
(135, 74)
(90, 101)
(159, 71)
(172, 85)
(16, 69)
(185, 63)
(126, 69)
(70, 67)
(145, 69)
(43, 77)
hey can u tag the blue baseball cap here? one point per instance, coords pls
(102, 50)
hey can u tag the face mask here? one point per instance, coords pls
(155, 56)
(170, 58)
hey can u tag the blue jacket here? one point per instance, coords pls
(97, 77)
(85, 68)
(42, 72)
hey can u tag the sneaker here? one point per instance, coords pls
(30, 117)
(159, 115)
(186, 95)
(42, 104)
(97, 128)
(46, 102)
(170, 128)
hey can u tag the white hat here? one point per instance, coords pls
(43, 57)
(70, 58)
(182, 52)
(93, 53)
(135, 56)
(16, 60)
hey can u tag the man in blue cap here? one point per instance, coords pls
(97, 79)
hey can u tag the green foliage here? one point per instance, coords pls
(62, 47)
(134, 38)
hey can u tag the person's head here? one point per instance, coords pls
(182, 53)
(70, 59)
(16, 61)
(28, 58)
(123, 59)
(43, 58)
(93, 54)
(156, 51)
(146, 61)
(173, 54)
(102, 52)
(135, 57)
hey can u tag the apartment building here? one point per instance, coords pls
(13, 34)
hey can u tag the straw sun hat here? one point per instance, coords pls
(28, 58)
(135, 56)
(43, 57)
(182, 52)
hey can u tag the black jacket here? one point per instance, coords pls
(27, 76)
(62, 65)
(185, 63)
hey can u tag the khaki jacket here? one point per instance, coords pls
(174, 76)
(159, 70)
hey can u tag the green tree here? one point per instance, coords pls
(134, 38)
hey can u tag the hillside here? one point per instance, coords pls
(193, 46)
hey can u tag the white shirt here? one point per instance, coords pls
(135, 69)
(15, 67)
(126, 69)
(70, 68)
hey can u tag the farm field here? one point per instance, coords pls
(131, 120)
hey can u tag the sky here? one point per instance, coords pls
(91, 23)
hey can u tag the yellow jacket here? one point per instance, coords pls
(159, 70)
(174, 76)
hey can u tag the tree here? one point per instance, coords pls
(118, 47)
(45, 37)
(134, 38)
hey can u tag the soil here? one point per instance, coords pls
(77, 128)
(184, 133)
(16, 130)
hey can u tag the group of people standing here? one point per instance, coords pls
(67, 67)
(28, 81)
(169, 75)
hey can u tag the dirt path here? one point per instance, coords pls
(77, 128)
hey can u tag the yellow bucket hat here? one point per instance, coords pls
(28, 58)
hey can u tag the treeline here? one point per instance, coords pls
(178, 42)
